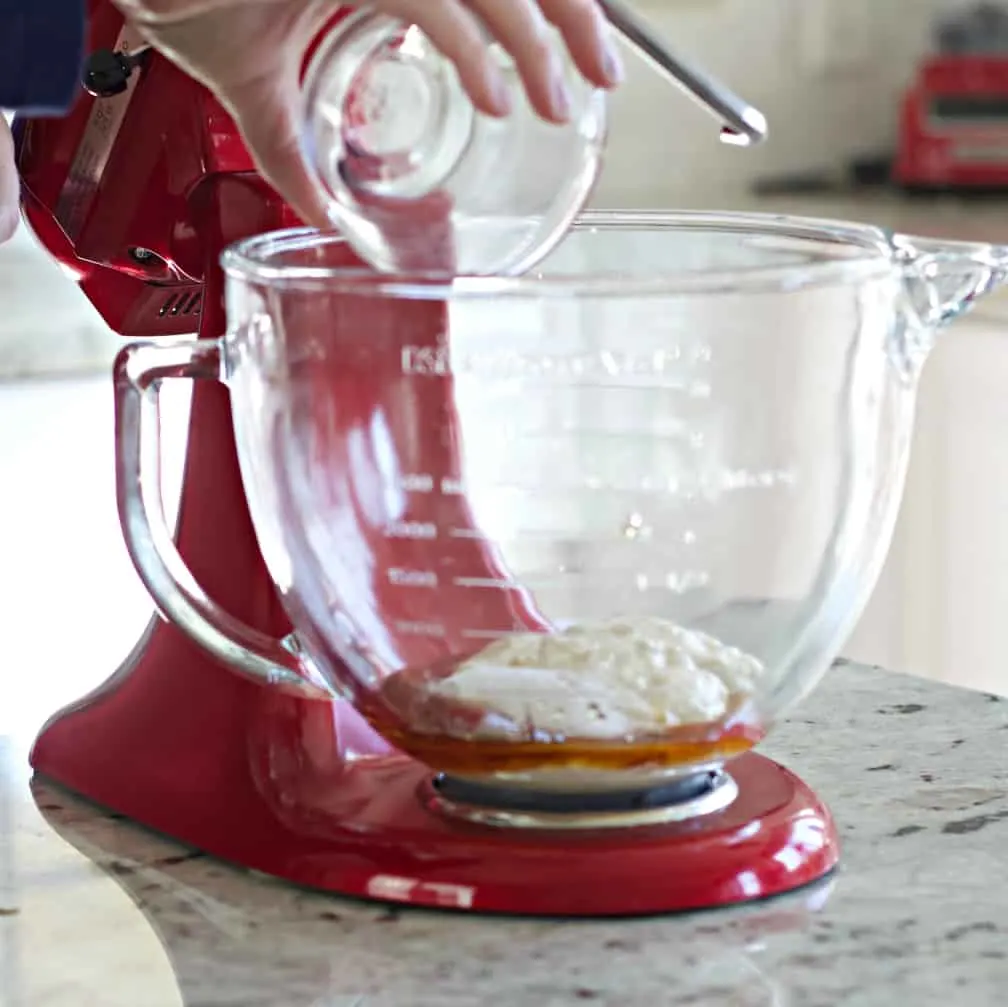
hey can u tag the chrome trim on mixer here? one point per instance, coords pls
(721, 794)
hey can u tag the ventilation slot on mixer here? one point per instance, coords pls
(184, 303)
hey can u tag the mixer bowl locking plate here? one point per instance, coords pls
(688, 798)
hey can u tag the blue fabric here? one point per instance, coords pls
(41, 53)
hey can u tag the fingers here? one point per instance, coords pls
(458, 29)
(456, 33)
(9, 188)
(589, 39)
(522, 29)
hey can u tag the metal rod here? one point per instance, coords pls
(742, 123)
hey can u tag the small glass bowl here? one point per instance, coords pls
(417, 178)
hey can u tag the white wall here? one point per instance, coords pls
(827, 74)
(47, 325)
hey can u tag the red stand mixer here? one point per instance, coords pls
(136, 193)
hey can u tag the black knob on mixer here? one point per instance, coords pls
(106, 72)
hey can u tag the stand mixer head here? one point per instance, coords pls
(136, 193)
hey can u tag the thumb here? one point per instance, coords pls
(268, 119)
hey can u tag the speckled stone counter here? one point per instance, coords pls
(94, 911)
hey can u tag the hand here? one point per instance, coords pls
(249, 53)
(9, 189)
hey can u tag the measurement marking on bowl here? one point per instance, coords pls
(714, 482)
(425, 629)
(412, 578)
(412, 530)
(490, 634)
(421, 482)
(418, 483)
(501, 584)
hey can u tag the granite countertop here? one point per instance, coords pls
(94, 911)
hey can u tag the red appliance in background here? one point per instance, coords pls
(953, 130)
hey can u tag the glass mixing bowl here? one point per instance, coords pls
(591, 528)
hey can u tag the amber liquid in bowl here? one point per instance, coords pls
(442, 734)
(690, 745)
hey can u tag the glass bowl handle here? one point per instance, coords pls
(139, 370)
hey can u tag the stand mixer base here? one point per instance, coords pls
(261, 780)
